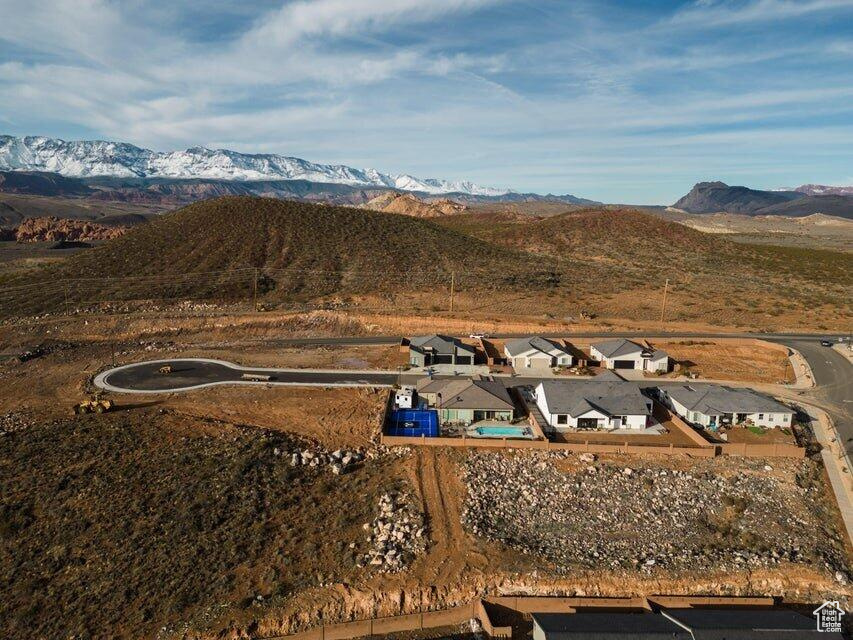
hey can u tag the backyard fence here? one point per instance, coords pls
(479, 608)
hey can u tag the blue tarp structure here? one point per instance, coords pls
(413, 422)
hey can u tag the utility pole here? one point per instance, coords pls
(452, 287)
(663, 305)
(255, 291)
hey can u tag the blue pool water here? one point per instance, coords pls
(502, 431)
(413, 423)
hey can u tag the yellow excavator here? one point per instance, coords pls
(94, 404)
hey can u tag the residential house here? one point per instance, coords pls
(466, 401)
(710, 405)
(427, 351)
(532, 353)
(731, 622)
(627, 354)
(582, 404)
(606, 625)
(689, 623)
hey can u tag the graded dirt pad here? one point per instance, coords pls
(731, 360)
(334, 417)
(126, 523)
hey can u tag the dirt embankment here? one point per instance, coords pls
(52, 229)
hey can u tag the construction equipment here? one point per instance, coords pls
(95, 404)
(165, 369)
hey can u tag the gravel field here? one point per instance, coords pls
(578, 512)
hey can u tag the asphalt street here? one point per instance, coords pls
(833, 376)
(186, 374)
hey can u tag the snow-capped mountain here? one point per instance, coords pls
(825, 190)
(88, 158)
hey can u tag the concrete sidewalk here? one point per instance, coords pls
(836, 465)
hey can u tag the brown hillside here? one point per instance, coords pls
(300, 251)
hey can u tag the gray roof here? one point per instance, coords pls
(623, 347)
(520, 345)
(617, 347)
(470, 394)
(727, 623)
(609, 626)
(577, 397)
(608, 375)
(438, 344)
(713, 400)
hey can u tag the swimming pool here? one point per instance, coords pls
(501, 431)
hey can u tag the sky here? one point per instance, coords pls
(627, 102)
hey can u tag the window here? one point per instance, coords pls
(761, 416)
(562, 419)
(769, 417)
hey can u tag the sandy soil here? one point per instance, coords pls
(769, 436)
(729, 360)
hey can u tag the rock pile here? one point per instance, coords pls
(609, 517)
(339, 461)
(12, 422)
(396, 535)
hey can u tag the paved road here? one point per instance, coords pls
(833, 376)
(191, 373)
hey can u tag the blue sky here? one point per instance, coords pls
(616, 101)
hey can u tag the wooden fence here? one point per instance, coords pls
(757, 450)
(778, 450)
(390, 624)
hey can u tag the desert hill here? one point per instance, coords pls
(300, 251)
(410, 205)
(600, 236)
(624, 256)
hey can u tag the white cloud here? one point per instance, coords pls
(715, 14)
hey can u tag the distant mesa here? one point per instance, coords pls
(718, 197)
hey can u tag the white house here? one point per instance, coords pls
(626, 354)
(582, 404)
(534, 352)
(712, 405)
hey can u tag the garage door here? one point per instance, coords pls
(623, 364)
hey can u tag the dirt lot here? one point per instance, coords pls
(757, 436)
(731, 360)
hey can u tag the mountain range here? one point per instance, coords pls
(718, 197)
(89, 158)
